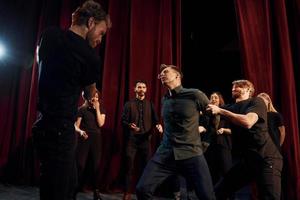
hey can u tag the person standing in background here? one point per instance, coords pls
(90, 119)
(218, 154)
(275, 121)
(138, 119)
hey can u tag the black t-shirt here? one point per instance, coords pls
(275, 120)
(67, 64)
(255, 139)
(89, 119)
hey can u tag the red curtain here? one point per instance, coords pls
(144, 35)
(267, 62)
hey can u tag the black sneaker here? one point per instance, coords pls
(97, 195)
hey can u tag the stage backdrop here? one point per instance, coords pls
(144, 35)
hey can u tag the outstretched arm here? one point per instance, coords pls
(243, 120)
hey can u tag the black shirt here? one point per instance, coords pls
(140, 112)
(275, 120)
(180, 112)
(67, 64)
(89, 119)
(256, 139)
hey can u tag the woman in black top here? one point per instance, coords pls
(275, 121)
(218, 154)
(90, 119)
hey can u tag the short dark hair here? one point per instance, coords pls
(164, 66)
(139, 81)
(88, 94)
(87, 10)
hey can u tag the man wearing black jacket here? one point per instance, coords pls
(138, 119)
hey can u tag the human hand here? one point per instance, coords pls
(95, 103)
(134, 127)
(220, 131)
(201, 129)
(84, 135)
(213, 108)
(159, 128)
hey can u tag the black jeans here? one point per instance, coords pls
(55, 143)
(89, 148)
(194, 170)
(135, 144)
(265, 172)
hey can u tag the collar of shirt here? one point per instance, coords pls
(139, 100)
(174, 91)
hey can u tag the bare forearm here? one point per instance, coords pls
(227, 130)
(282, 134)
(246, 121)
(100, 118)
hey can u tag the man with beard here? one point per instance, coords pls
(260, 160)
(67, 65)
(180, 152)
(138, 119)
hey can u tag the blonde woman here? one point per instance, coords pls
(275, 121)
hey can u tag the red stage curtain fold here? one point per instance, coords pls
(267, 62)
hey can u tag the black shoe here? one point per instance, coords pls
(97, 195)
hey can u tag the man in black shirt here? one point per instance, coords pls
(180, 150)
(260, 160)
(67, 65)
(138, 118)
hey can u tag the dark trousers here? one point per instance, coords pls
(219, 160)
(89, 148)
(194, 170)
(55, 144)
(135, 144)
(265, 172)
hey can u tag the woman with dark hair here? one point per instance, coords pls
(218, 154)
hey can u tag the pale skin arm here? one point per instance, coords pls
(246, 121)
(100, 117)
(82, 133)
(224, 131)
(282, 134)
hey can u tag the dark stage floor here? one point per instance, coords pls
(12, 192)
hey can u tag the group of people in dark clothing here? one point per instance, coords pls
(192, 124)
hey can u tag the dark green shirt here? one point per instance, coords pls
(180, 112)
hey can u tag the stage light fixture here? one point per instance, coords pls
(2, 51)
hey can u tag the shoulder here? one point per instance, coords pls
(257, 100)
(82, 108)
(198, 94)
(128, 103)
(51, 32)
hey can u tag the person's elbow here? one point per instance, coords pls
(248, 125)
(250, 120)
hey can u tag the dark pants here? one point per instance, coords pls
(55, 144)
(89, 148)
(219, 160)
(135, 144)
(194, 170)
(265, 172)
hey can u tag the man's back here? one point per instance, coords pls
(67, 64)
